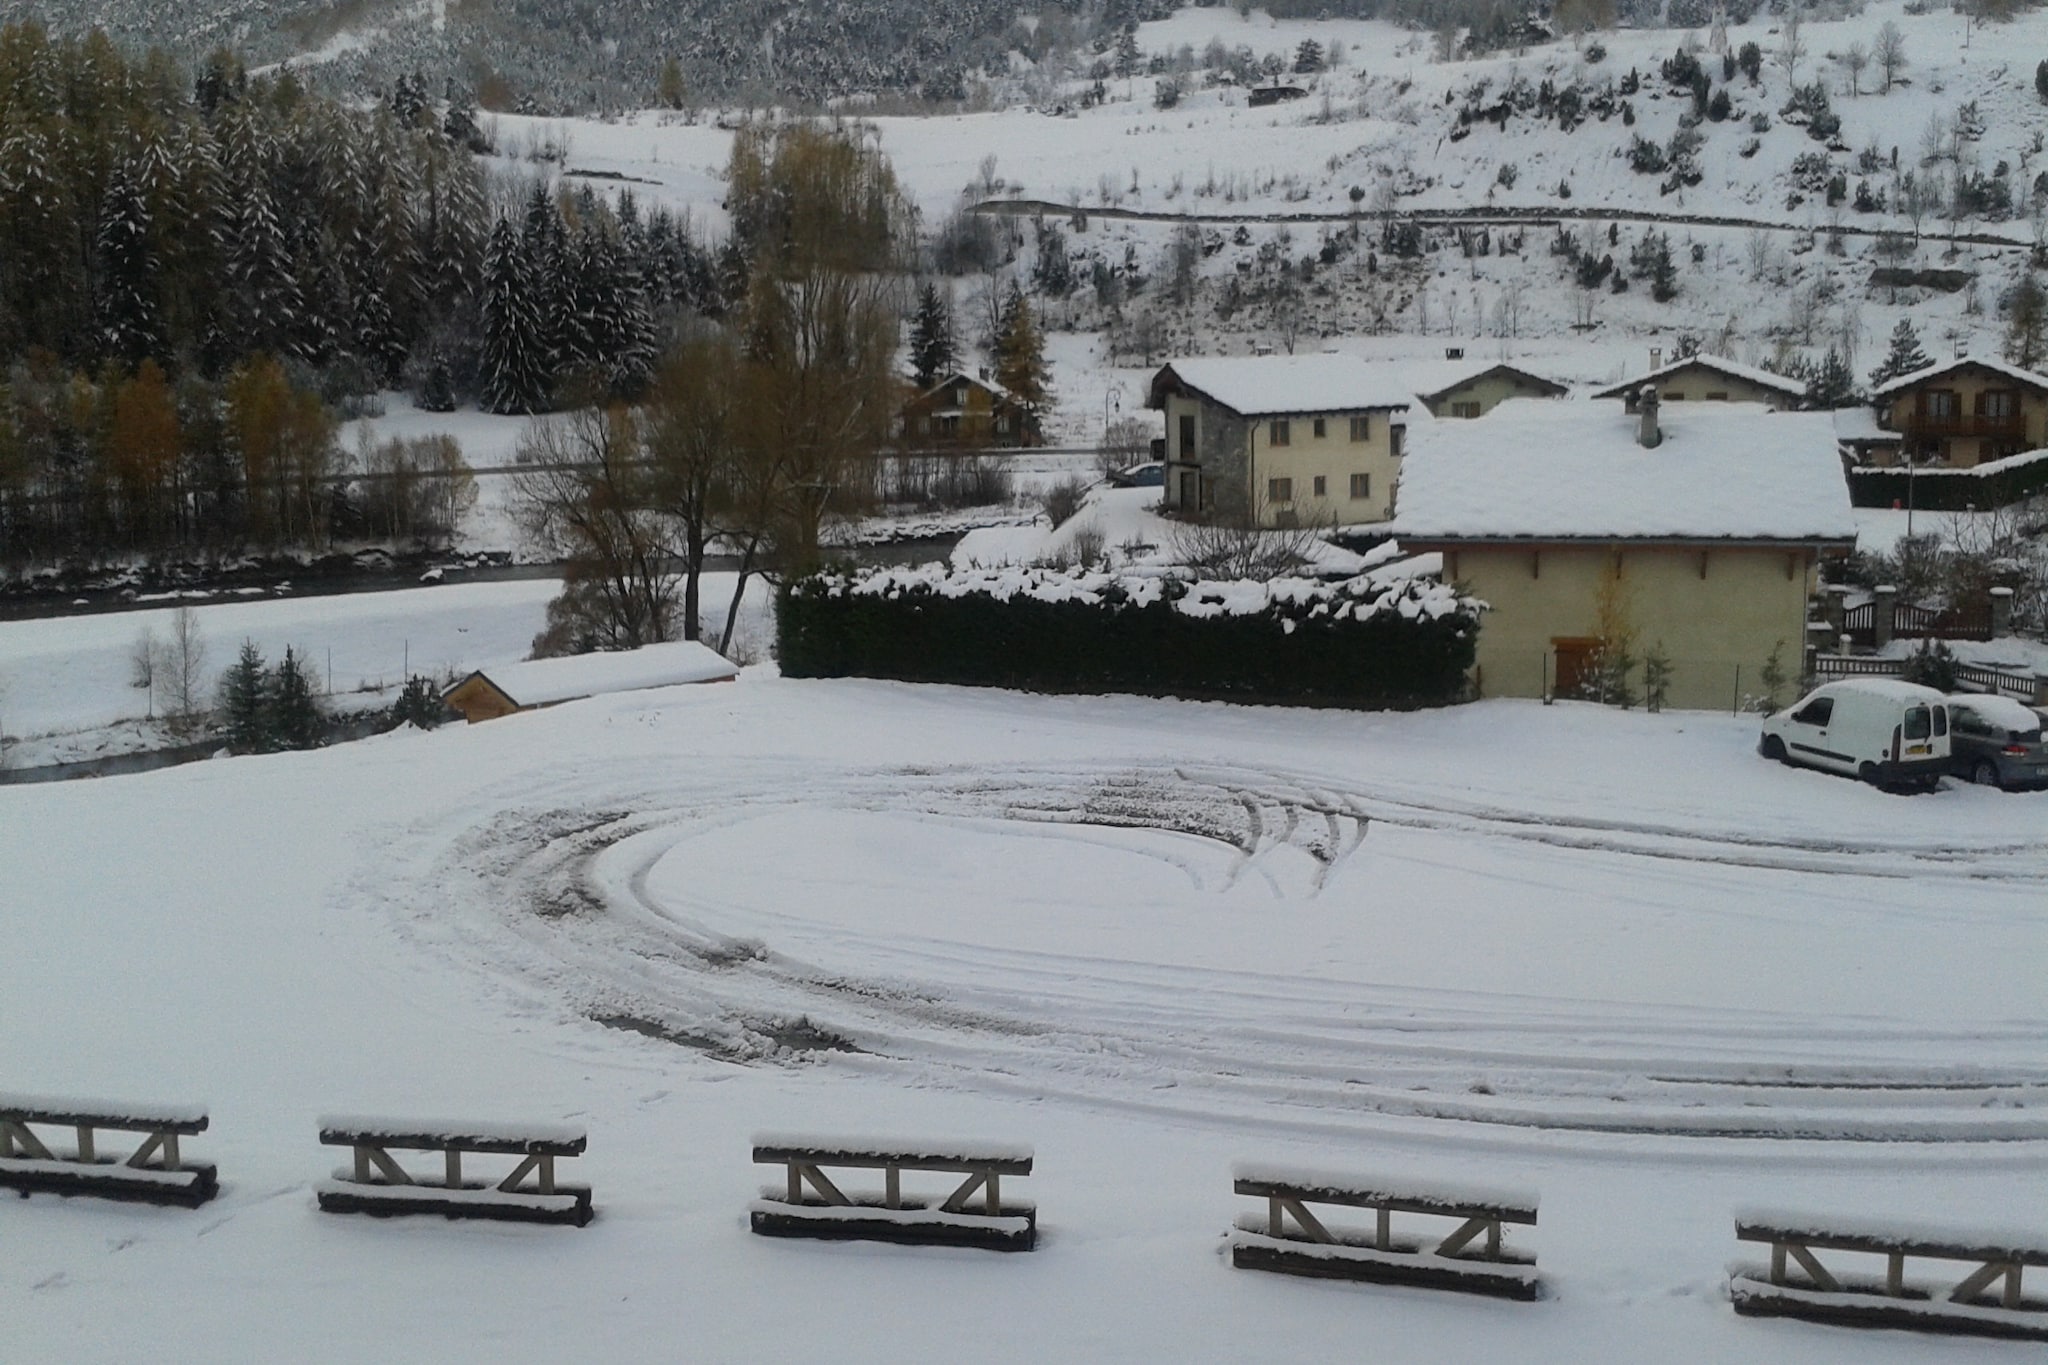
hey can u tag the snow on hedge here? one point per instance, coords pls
(1359, 598)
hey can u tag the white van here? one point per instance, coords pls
(1887, 732)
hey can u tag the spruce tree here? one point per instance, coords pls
(1904, 358)
(933, 346)
(1831, 385)
(515, 370)
(419, 703)
(1020, 361)
(245, 709)
(131, 322)
(295, 720)
(2026, 333)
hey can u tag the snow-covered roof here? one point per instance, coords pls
(1274, 385)
(1983, 362)
(1796, 388)
(1541, 469)
(542, 682)
(960, 377)
(1860, 424)
(1431, 379)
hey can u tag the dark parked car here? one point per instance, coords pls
(1995, 741)
(1151, 474)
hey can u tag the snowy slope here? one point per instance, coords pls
(1498, 945)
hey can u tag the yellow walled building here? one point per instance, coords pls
(1281, 441)
(1696, 530)
(1711, 379)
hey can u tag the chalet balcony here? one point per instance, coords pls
(2012, 428)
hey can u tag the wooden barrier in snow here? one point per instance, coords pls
(1471, 1257)
(973, 1214)
(155, 1173)
(1891, 1299)
(377, 1184)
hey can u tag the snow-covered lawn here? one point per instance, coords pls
(1613, 957)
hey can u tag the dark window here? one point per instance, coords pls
(1942, 403)
(1940, 721)
(1277, 433)
(1918, 722)
(1280, 490)
(1718, 396)
(2003, 403)
(1187, 433)
(1320, 432)
(1361, 428)
(1674, 395)
(1394, 435)
(1815, 712)
(1361, 485)
(1465, 409)
(1321, 487)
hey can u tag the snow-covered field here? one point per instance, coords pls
(1614, 957)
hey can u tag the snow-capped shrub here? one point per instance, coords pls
(1363, 642)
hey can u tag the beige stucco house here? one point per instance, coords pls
(1281, 440)
(1698, 529)
(1964, 412)
(1466, 389)
(1711, 379)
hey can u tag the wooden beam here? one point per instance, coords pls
(1310, 1224)
(14, 1134)
(892, 1187)
(1466, 1231)
(148, 1149)
(822, 1183)
(957, 1200)
(1812, 1266)
(381, 1159)
(1981, 1278)
(85, 1148)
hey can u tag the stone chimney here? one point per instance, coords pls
(1656, 357)
(1648, 434)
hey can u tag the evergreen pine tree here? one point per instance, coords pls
(131, 322)
(516, 376)
(295, 721)
(245, 709)
(633, 341)
(1020, 360)
(1128, 58)
(437, 391)
(1904, 357)
(933, 347)
(1831, 385)
(2026, 332)
(419, 703)
(1308, 58)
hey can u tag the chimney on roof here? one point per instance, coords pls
(1648, 434)
(1656, 357)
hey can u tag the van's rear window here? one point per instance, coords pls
(1940, 721)
(1917, 722)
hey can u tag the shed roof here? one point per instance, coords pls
(1543, 469)
(1432, 379)
(1794, 388)
(542, 682)
(1276, 385)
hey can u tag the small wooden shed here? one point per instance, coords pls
(546, 682)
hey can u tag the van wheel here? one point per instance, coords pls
(1985, 774)
(1869, 773)
(1774, 749)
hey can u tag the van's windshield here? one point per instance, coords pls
(1917, 722)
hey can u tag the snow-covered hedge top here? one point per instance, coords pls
(1358, 598)
(542, 682)
(1990, 469)
(1983, 362)
(1357, 1184)
(1547, 469)
(1276, 385)
(1995, 1243)
(74, 1109)
(897, 1145)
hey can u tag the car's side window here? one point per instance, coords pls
(1815, 712)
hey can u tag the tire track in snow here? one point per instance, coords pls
(558, 904)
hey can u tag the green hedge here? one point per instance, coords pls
(1995, 483)
(1355, 643)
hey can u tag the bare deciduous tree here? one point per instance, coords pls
(1890, 54)
(180, 674)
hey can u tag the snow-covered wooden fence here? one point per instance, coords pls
(377, 1184)
(973, 1214)
(1471, 1256)
(1833, 1295)
(154, 1173)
